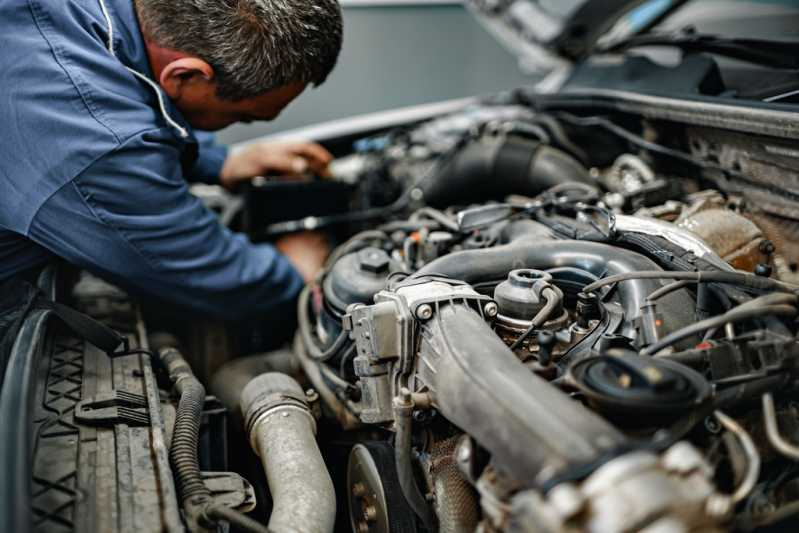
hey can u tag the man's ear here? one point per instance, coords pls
(178, 74)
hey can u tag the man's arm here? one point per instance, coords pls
(130, 218)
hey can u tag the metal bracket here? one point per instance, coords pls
(230, 490)
(115, 407)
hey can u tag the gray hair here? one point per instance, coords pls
(254, 46)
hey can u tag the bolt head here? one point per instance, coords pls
(424, 312)
(491, 309)
(358, 489)
(370, 512)
(373, 260)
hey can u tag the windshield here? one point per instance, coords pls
(752, 19)
(770, 20)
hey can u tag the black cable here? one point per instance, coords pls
(668, 289)
(240, 520)
(304, 320)
(735, 315)
(744, 279)
(553, 299)
(641, 142)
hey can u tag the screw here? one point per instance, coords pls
(712, 425)
(358, 489)
(424, 312)
(491, 309)
(370, 512)
(311, 395)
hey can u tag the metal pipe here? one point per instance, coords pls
(282, 433)
(403, 409)
(773, 432)
(750, 450)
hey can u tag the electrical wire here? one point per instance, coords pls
(770, 304)
(632, 138)
(668, 289)
(314, 351)
(552, 302)
(742, 279)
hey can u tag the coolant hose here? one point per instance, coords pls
(282, 433)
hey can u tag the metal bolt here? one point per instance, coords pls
(424, 312)
(491, 309)
(358, 489)
(464, 452)
(370, 512)
(712, 425)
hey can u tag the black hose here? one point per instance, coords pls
(496, 166)
(183, 454)
(304, 320)
(753, 309)
(552, 301)
(743, 279)
(186, 435)
(668, 289)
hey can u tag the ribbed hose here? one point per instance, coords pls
(186, 435)
(200, 509)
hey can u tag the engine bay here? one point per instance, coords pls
(534, 321)
(575, 327)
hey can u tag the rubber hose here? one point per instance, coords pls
(186, 435)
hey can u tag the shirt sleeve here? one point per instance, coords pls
(210, 158)
(130, 218)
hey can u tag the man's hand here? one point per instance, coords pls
(288, 159)
(306, 251)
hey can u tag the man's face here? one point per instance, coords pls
(204, 110)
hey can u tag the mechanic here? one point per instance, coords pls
(106, 106)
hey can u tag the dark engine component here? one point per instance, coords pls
(641, 391)
(520, 296)
(494, 166)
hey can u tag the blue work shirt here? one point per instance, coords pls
(90, 171)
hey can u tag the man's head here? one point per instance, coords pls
(226, 61)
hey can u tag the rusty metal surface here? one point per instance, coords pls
(735, 238)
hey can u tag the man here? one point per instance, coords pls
(99, 103)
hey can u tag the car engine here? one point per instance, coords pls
(537, 319)
(559, 328)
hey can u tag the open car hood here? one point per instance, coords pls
(547, 33)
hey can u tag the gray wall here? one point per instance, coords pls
(395, 56)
